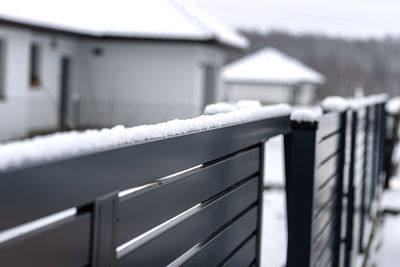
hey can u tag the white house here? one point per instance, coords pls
(271, 76)
(101, 63)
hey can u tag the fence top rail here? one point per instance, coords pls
(76, 181)
(57, 146)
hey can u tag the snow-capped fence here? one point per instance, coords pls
(365, 176)
(189, 192)
(191, 200)
(334, 179)
(314, 164)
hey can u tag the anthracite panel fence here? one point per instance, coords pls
(334, 178)
(196, 199)
(314, 182)
(191, 200)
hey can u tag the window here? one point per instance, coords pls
(2, 69)
(35, 65)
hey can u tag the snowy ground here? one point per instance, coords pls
(274, 214)
(385, 249)
(386, 246)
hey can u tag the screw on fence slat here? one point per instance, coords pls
(104, 229)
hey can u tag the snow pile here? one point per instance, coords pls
(335, 104)
(242, 104)
(393, 106)
(304, 115)
(221, 107)
(67, 144)
(224, 107)
(357, 103)
(274, 231)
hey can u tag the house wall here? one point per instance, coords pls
(13, 108)
(130, 82)
(44, 100)
(135, 83)
(26, 109)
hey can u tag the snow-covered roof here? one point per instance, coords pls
(158, 19)
(270, 66)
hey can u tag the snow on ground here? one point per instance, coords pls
(274, 234)
(274, 162)
(386, 246)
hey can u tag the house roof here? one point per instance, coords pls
(270, 66)
(153, 19)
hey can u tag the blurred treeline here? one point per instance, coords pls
(373, 64)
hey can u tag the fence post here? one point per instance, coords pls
(391, 140)
(351, 185)
(104, 231)
(365, 185)
(382, 134)
(300, 168)
(260, 203)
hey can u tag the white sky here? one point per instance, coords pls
(347, 18)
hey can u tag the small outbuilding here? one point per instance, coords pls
(271, 76)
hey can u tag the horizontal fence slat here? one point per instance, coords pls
(65, 243)
(326, 171)
(328, 124)
(321, 197)
(327, 217)
(327, 148)
(44, 189)
(168, 201)
(325, 260)
(244, 256)
(221, 246)
(325, 242)
(169, 245)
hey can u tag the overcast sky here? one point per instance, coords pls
(348, 18)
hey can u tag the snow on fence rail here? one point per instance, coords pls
(179, 193)
(189, 192)
(73, 143)
(334, 170)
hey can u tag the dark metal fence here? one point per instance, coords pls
(192, 200)
(196, 199)
(365, 176)
(334, 180)
(314, 163)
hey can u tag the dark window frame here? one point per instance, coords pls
(2, 68)
(35, 65)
